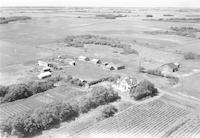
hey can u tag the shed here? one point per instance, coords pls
(116, 66)
(110, 67)
(119, 66)
(105, 63)
(70, 61)
(96, 61)
(83, 58)
(45, 69)
(44, 75)
(73, 63)
(43, 63)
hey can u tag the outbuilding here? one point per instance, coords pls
(119, 66)
(73, 63)
(70, 61)
(43, 63)
(110, 67)
(170, 67)
(44, 75)
(96, 61)
(83, 58)
(113, 66)
(45, 69)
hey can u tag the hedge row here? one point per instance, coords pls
(109, 16)
(20, 91)
(5, 20)
(110, 79)
(158, 72)
(74, 81)
(33, 122)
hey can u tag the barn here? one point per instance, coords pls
(170, 67)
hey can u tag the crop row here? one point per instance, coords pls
(147, 119)
(189, 129)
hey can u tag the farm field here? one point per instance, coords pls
(152, 119)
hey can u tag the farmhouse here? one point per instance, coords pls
(170, 67)
(44, 75)
(125, 84)
(83, 58)
(42, 63)
(96, 61)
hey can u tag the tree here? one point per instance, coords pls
(109, 111)
(3, 90)
(143, 89)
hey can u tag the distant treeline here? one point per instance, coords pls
(191, 56)
(80, 40)
(182, 31)
(5, 20)
(186, 29)
(168, 15)
(110, 16)
(189, 20)
(49, 116)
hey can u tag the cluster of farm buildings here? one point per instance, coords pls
(122, 84)
(47, 68)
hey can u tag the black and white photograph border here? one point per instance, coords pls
(99, 69)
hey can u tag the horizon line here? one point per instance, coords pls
(104, 6)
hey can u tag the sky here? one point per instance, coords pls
(103, 3)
